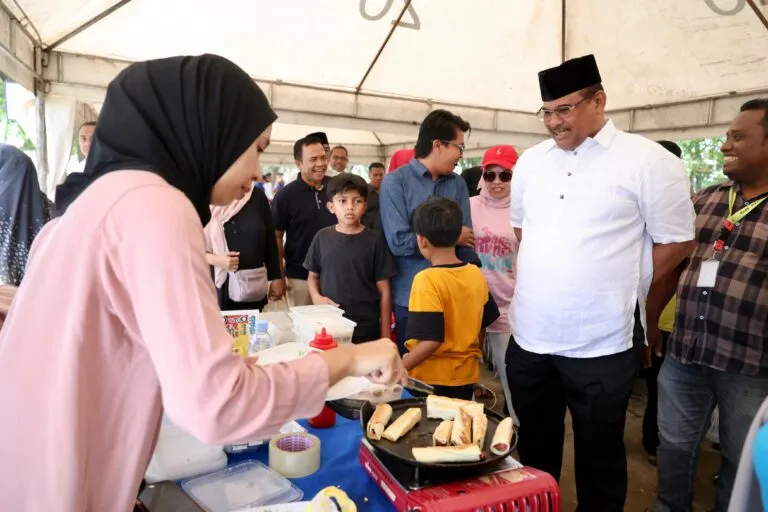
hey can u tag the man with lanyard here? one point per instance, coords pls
(439, 147)
(717, 354)
(299, 211)
(601, 216)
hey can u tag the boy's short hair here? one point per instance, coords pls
(347, 182)
(440, 221)
(377, 165)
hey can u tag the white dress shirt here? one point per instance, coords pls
(589, 218)
(74, 165)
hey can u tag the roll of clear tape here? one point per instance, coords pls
(294, 455)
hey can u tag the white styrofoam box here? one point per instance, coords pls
(180, 455)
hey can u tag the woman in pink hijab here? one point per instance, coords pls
(497, 246)
(400, 158)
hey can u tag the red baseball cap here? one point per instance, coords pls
(505, 156)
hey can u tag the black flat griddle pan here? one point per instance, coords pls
(421, 435)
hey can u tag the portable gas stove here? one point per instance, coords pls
(508, 487)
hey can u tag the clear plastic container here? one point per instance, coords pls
(248, 484)
(319, 310)
(340, 328)
(260, 340)
(308, 321)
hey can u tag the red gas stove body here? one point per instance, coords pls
(501, 490)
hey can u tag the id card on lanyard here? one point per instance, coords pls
(709, 268)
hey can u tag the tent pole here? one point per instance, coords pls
(562, 31)
(758, 13)
(383, 45)
(41, 140)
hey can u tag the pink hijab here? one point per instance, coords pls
(400, 158)
(215, 239)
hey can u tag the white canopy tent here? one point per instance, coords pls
(368, 71)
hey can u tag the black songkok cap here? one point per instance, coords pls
(570, 76)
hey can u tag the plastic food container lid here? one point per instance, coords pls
(242, 485)
(316, 310)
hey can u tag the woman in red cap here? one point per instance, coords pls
(496, 244)
(400, 158)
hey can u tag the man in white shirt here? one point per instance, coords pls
(339, 159)
(602, 215)
(84, 137)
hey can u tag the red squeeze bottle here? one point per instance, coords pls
(327, 417)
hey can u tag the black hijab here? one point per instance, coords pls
(186, 119)
(23, 211)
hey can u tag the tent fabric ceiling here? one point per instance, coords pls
(484, 53)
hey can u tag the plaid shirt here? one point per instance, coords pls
(725, 327)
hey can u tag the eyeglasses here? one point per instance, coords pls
(560, 111)
(504, 176)
(460, 147)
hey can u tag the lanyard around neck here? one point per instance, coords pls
(733, 218)
(739, 215)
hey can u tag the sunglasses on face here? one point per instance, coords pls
(504, 176)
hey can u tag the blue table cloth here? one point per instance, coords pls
(339, 466)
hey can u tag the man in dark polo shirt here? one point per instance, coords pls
(299, 211)
(717, 354)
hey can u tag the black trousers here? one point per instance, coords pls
(596, 391)
(651, 415)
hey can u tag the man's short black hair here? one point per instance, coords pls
(758, 104)
(347, 182)
(340, 147)
(299, 145)
(320, 135)
(439, 220)
(87, 123)
(438, 125)
(377, 165)
(671, 147)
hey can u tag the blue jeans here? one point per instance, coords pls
(687, 395)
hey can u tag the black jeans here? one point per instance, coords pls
(596, 391)
(651, 415)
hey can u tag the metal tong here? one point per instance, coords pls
(417, 385)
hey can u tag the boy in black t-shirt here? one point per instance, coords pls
(350, 265)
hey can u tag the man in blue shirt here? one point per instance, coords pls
(429, 174)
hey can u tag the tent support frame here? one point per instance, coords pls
(383, 45)
(758, 13)
(106, 12)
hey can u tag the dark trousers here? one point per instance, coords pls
(365, 333)
(466, 392)
(401, 321)
(596, 391)
(651, 415)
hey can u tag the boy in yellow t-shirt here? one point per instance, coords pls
(449, 305)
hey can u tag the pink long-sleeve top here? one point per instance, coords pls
(116, 318)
